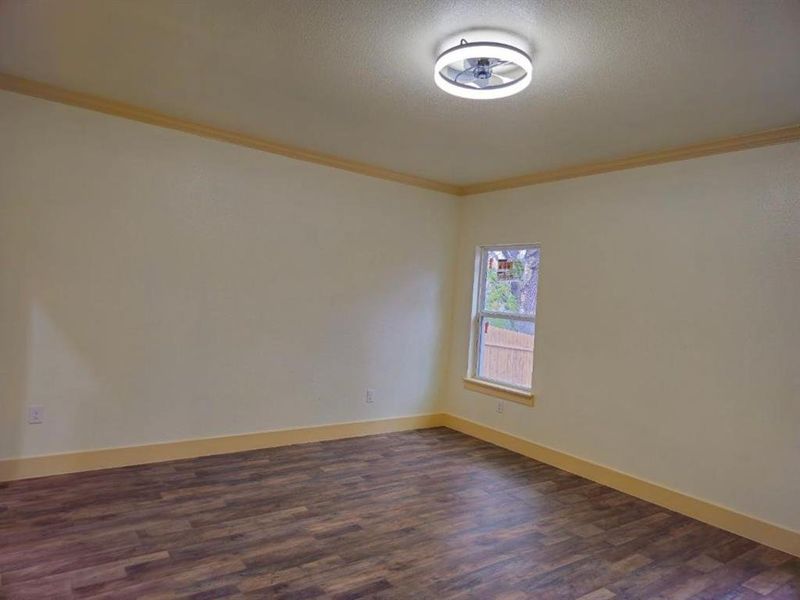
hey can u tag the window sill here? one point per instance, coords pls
(498, 391)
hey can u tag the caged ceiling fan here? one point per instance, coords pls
(483, 70)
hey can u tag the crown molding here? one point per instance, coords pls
(53, 93)
(720, 146)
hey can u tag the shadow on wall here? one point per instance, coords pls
(48, 370)
(120, 339)
(148, 320)
(15, 318)
(155, 287)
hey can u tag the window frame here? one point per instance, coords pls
(474, 379)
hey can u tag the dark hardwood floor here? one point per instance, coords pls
(421, 514)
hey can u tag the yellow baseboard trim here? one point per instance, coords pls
(747, 526)
(90, 460)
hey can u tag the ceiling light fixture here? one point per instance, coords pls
(482, 70)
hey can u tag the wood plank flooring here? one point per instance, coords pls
(421, 514)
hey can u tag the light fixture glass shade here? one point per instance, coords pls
(483, 70)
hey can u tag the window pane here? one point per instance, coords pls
(511, 280)
(506, 351)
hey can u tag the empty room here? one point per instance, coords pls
(400, 299)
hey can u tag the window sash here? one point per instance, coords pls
(482, 277)
(489, 314)
(479, 354)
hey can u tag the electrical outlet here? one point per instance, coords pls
(500, 407)
(35, 415)
(370, 396)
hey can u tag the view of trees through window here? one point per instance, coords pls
(507, 316)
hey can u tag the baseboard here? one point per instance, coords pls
(90, 460)
(752, 528)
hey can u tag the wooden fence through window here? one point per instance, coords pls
(507, 356)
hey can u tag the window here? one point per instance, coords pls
(504, 320)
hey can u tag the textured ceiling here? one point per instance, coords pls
(354, 77)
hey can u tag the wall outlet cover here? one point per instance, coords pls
(35, 415)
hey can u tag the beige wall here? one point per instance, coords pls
(157, 286)
(668, 332)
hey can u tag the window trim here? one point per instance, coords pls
(499, 391)
(473, 381)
